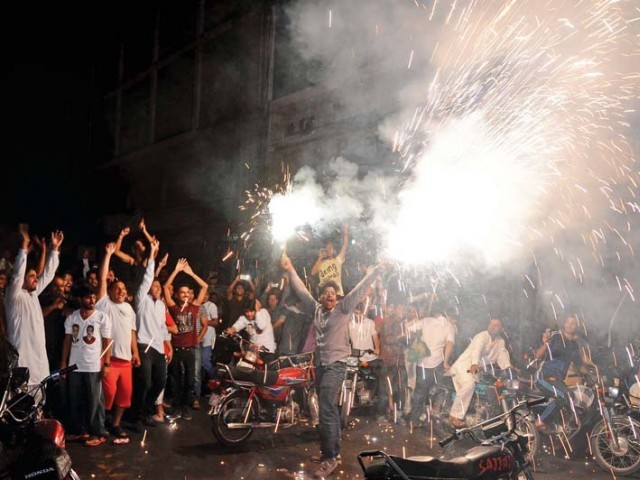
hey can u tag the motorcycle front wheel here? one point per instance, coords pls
(623, 458)
(234, 408)
(524, 474)
(528, 429)
(347, 401)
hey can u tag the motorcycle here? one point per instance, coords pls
(31, 447)
(254, 395)
(615, 439)
(579, 412)
(359, 386)
(495, 392)
(501, 453)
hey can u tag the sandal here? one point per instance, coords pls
(77, 438)
(121, 440)
(117, 431)
(95, 441)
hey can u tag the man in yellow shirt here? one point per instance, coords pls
(328, 266)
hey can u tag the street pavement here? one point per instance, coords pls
(188, 450)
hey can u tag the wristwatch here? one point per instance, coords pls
(107, 364)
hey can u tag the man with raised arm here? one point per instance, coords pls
(331, 330)
(25, 322)
(118, 384)
(152, 330)
(186, 314)
(328, 265)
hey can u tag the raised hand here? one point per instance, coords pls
(23, 230)
(285, 262)
(56, 239)
(124, 232)
(142, 225)
(180, 264)
(39, 242)
(187, 268)
(155, 246)
(163, 261)
(110, 248)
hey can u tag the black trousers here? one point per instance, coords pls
(150, 379)
(182, 386)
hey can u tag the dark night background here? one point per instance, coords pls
(51, 87)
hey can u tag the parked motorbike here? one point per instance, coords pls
(359, 386)
(31, 447)
(615, 439)
(253, 395)
(501, 453)
(496, 392)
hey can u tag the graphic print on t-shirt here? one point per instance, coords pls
(184, 320)
(89, 338)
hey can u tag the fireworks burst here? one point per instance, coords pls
(523, 133)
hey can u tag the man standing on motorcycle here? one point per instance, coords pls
(561, 350)
(486, 347)
(331, 330)
(438, 333)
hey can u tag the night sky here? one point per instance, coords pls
(50, 87)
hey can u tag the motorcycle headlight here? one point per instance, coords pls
(352, 361)
(512, 384)
(613, 392)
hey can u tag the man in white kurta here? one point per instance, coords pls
(25, 322)
(486, 347)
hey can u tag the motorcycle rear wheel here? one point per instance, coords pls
(624, 458)
(233, 409)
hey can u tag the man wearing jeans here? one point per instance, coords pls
(331, 330)
(186, 314)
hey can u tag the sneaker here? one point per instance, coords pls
(196, 405)
(547, 429)
(318, 459)
(382, 419)
(186, 415)
(457, 423)
(172, 417)
(326, 468)
(149, 421)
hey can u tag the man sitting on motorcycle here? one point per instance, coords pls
(258, 325)
(561, 349)
(486, 347)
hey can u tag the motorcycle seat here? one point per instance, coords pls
(256, 377)
(431, 467)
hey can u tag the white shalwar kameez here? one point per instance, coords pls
(482, 351)
(25, 322)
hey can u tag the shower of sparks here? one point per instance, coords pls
(521, 146)
(523, 131)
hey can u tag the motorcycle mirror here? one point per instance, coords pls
(19, 376)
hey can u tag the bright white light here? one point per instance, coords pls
(469, 196)
(291, 211)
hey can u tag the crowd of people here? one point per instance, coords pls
(145, 347)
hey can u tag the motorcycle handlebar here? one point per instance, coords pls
(458, 434)
(55, 376)
(449, 439)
